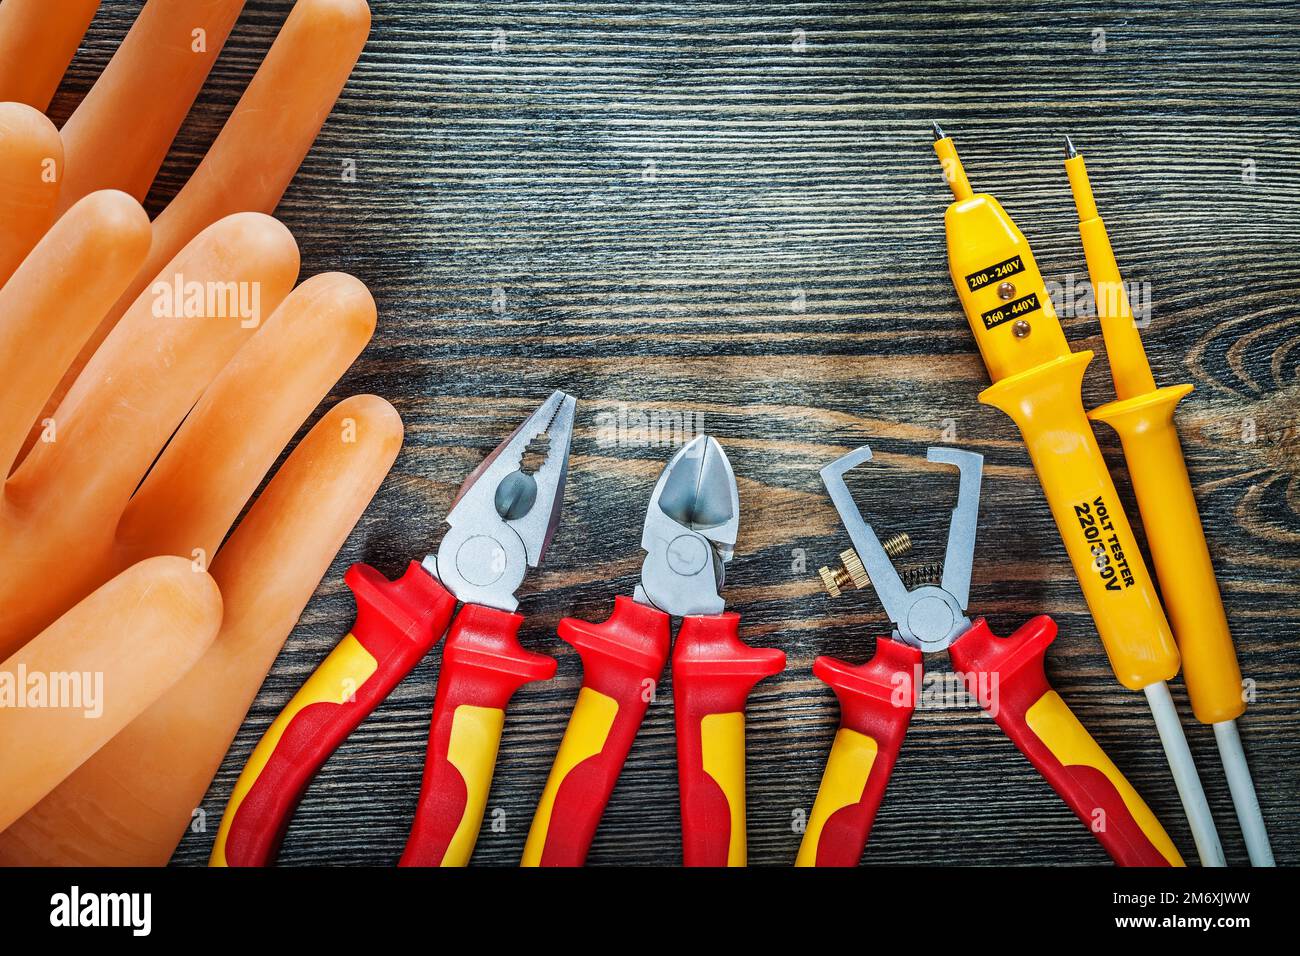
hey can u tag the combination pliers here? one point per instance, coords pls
(500, 524)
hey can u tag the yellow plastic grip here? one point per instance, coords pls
(1182, 558)
(847, 769)
(335, 681)
(472, 750)
(1045, 403)
(1052, 721)
(589, 725)
(722, 745)
(1143, 417)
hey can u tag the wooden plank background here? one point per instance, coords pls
(733, 210)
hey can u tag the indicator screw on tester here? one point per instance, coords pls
(851, 574)
(1006, 290)
(1020, 329)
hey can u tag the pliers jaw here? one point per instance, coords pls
(690, 531)
(504, 517)
(929, 617)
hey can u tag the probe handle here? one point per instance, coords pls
(1045, 403)
(622, 661)
(1179, 551)
(1143, 415)
(482, 667)
(713, 673)
(1012, 688)
(876, 704)
(397, 622)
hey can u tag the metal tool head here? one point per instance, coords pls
(690, 531)
(929, 617)
(504, 516)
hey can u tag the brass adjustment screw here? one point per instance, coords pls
(851, 574)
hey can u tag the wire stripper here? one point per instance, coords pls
(877, 699)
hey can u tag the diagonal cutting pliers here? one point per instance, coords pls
(1007, 675)
(500, 524)
(689, 535)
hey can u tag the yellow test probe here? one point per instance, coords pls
(1143, 415)
(1038, 381)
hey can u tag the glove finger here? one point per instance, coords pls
(245, 419)
(31, 165)
(37, 42)
(54, 300)
(120, 133)
(133, 637)
(130, 804)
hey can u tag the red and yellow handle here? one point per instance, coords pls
(397, 622)
(1016, 694)
(482, 667)
(622, 660)
(876, 704)
(713, 673)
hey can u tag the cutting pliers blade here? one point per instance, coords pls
(690, 531)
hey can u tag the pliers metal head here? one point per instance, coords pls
(504, 516)
(690, 532)
(928, 617)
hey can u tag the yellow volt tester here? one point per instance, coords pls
(1038, 381)
(1143, 416)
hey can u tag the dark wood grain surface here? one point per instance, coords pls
(732, 210)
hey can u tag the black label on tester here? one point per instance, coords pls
(1011, 310)
(1007, 267)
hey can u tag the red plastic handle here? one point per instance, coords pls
(1014, 691)
(397, 622)
(713, 673)
(622, 661)
(876, 704)
(482, 667)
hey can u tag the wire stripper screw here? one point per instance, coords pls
(851, 574)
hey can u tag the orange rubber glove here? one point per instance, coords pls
(155, 451)
(158, 412)
(120, 133)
